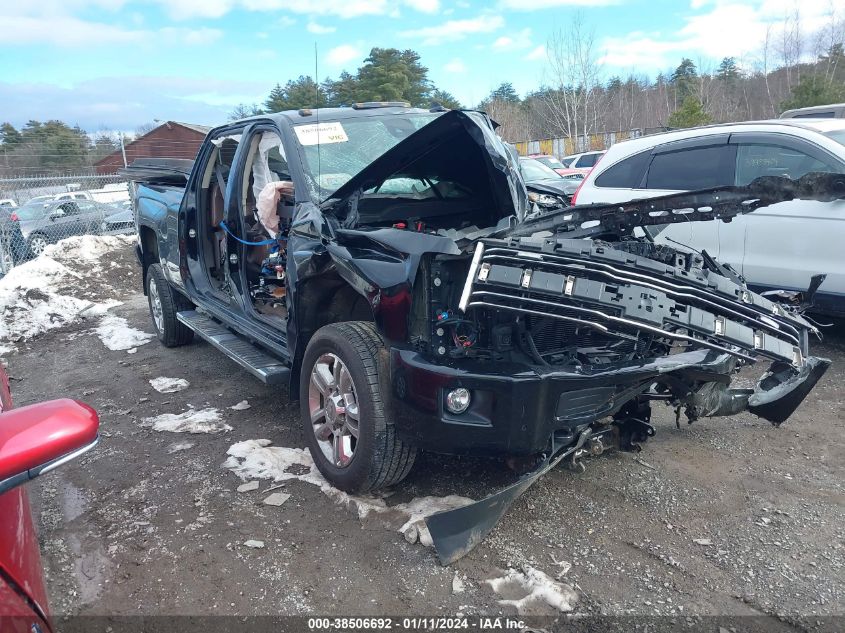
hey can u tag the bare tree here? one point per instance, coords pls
(575, 75)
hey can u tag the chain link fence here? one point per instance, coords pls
(38, 211)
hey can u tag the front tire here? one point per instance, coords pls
(36, 244)
(164, 303)
(353, 444)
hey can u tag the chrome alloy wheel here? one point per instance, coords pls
(156, 310)
(37, 244)
(334, 409)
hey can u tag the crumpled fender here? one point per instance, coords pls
(381, 265)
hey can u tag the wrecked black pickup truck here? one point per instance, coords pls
(386, 263)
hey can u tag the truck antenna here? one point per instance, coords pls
(317, 110)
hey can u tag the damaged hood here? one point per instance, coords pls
(554, 186)
(445, 132)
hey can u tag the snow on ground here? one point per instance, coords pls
(87, 247)
(179, 446)
(191, 421)
(163, 384)
(116, 334)
(530, 590)
(38, 295)
(256, 459)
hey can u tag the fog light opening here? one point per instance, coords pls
(457, 400)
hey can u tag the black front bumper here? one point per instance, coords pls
(515, 409)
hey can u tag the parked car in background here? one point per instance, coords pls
(8, 203)
(559, 167)
(33, 441)
(13, 248)
(43, 223)
(120, 222)
(546, 187)
(73, 195)
(42, 199)
(832, 111)
(583, 162)
(549, 161)
(781, 246)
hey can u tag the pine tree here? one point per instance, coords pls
(684, 78)
(447, 100)
(276, 101)
(728, 70)
(504, 92)
(9, 136)
(690, 114)
(389, 74)
(814, 90)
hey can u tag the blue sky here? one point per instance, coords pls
(117, 64)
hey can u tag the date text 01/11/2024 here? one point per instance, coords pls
(415, 624)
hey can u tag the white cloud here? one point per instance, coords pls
(319, 29)
(338, 8)
(424, 6)
(519, 40)
(455, 30)
(536, 53)
(536, 5)
(285, 21)
(186, 9)
(455, 66)
(343, 54)
(213, 9)
(68, 31)
(503, 42)
(724, 29)
(125, 102)
(193, 37)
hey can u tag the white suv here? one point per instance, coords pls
(583, 162)
(781, 246)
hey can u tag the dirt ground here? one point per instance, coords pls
(725, 516)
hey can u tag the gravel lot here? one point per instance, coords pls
(725, 516)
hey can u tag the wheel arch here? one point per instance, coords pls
(320, 301)
(149, 251)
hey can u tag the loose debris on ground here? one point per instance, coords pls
(727, 516)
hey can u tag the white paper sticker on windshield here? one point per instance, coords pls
(321, 133)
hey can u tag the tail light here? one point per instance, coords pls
(587, 175)
(573, 201)
(14, 217)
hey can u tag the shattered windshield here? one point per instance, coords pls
(348, 146)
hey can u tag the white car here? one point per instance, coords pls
(73, 195)
(584, 161)
(778, 247)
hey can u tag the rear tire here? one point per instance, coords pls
(164, 303)
(353, 444)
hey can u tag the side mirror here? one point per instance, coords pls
(36, 439)
(58, 213)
